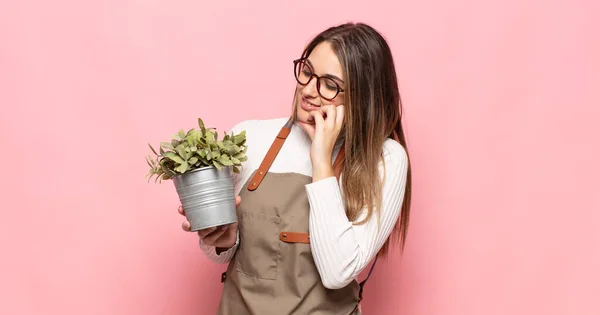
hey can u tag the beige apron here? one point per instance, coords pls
(272, 271)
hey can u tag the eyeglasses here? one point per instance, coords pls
(327, 87)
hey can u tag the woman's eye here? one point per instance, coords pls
(330, 85)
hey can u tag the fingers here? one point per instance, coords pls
(186, 226)
(238, 200)
(310, 130)
(329, 112)
(205, 232)
(317, 116)
(211, 238)
(310, 125)
(334, 116)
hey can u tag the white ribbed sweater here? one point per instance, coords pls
(340, 249)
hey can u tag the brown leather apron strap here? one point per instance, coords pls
(294, 237)
(270, 157)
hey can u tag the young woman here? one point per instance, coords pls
(324, 191)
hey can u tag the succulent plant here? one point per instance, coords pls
(196, 149)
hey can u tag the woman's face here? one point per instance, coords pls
(324, 63)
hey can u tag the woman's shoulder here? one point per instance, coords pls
(259, 126)
(394, 153)
(260, 134)
(394, 149)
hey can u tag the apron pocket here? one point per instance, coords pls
(258, 252)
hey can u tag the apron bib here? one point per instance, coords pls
(272, 271)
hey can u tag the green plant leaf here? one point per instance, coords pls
(204, 152)
(227, 145)
(182, 168)
(197, 148)
(234, 149)
(151, 148)
(166, 145)
(166, 169)
(240, 138)
(174, 157)
(181, 151)
(210, 137)
(224, 159)
(201, 124)
(217, 165)
(148, 159)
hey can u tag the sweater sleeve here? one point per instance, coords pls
(341, 250)
(223, 257)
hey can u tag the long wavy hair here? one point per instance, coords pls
(373, 114)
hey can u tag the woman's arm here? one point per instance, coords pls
(219, 256)
(340, 249)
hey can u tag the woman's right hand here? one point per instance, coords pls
(222, 237)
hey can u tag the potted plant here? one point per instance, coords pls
(201, 167)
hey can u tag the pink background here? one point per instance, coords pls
(501, 101)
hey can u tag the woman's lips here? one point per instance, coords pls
(307, 106)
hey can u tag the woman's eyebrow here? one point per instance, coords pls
(326, 75)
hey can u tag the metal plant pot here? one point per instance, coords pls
(207, 196)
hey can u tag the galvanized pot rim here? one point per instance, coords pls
(198, 170)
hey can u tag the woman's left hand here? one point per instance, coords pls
(326, 127)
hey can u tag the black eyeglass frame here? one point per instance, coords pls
(338, 91)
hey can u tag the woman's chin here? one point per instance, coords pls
(302, 118)
(303, 121)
